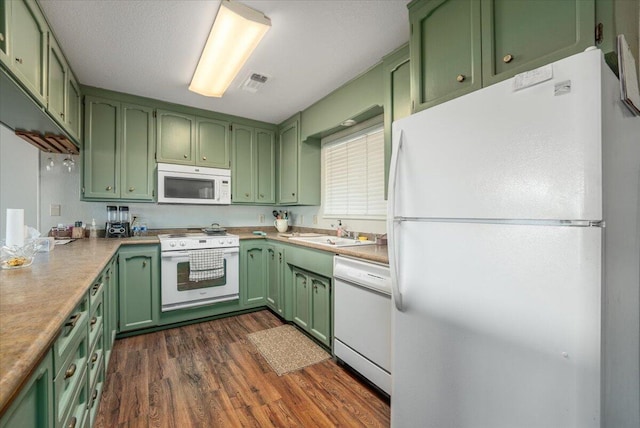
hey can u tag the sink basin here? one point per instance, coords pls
(331, 241)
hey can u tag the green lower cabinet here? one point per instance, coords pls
(111, 307)
(139, 287)
(253, 258)
(33, 407)
(312, 304)
(275, 277)
(320, 325)
(301, 299)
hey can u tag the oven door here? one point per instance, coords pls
(178, 292)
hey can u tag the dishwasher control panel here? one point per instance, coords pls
(366, 274)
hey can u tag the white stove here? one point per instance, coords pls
(194, 241)
(186, 281)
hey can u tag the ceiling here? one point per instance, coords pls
(151, 48)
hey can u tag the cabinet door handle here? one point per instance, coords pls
(261, 196)
(251, 255)
(70, 371)
(460, 78)
(95, 289)
(293, 194)
(131, 189)
(93, 397)
(185, 156)
(204, 158)
(109, 188)
(19, 60)
(94, 357)
(1, 37)
(507, 58)
(93, 322)
(62, 115)
(72, 321)
(72, 422)
(246, 194)
(144, 263)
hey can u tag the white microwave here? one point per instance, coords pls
(184, 184)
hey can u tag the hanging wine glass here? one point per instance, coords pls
(50, 163)
(69, 163)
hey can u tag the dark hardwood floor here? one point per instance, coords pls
(211, 375)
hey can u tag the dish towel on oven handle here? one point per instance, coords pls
(206, 264)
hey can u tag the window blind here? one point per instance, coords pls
(354, 175)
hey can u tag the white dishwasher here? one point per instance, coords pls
(362, 318)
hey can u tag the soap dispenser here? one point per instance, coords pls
(340, 229)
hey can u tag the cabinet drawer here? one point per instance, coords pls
(78, 408)
(96, 358)
(96, 291)
(70, 378)
(75, 326)
(95, 321)
(96, 394)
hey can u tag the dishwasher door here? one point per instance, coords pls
(362, 319)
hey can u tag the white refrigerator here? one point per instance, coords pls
(514, 244)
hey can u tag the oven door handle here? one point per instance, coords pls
(185, 253)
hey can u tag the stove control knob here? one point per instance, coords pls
(172, 243)
(229, 241)
(221, 241)
(182, 243)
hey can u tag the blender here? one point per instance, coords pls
(118, 221)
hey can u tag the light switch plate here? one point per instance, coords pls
(54, 210)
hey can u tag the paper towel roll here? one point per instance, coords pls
(15, 227)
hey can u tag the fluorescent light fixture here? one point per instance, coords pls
(236, 32)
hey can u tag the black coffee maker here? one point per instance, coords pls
(118, 221)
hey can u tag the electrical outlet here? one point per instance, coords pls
(261, 218)
(315, 219)
(54, 210)
(301, 221)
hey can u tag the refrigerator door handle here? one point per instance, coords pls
(391, 223)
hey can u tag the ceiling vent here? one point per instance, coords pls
(254, 82)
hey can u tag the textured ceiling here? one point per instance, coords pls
(151, 48)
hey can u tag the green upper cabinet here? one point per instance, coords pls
(118, 151)
(243, 164)
(445, 50)
(27, 39)
(520, 35)
(458, 46)
(190, 140)
(397, 96)
(73, 116)
(176, 137)
(101, 151)
(212, 148)
(298, 165)
(265, 166)
(139, 287)
(288, 163)
(5, 17)
(252, 165)
(57, 83)
(64, 97)
(137, 164)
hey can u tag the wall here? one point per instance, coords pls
(18, 178)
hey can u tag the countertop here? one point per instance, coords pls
(36, 301)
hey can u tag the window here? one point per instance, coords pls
(354, 175)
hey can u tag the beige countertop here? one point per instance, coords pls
(36, 301)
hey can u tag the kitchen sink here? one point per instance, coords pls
(331, 241)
